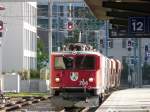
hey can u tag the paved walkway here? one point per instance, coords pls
(128, 100)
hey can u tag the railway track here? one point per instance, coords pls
(72, 109)
(16, 103)
(77, 109)
(41, 104)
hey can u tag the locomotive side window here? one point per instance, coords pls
(62, 62)
(85, 62)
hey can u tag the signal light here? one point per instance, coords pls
(2, 7)
(129, 45)
(1, 25)
(70, 26)
(146, 48)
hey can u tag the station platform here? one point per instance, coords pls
(128, 100)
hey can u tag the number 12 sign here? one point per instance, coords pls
(137, 25)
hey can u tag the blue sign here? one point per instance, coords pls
(137, 24)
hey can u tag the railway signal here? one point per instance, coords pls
(1, 26)
(146, 48)
(70, 26)
(146, 52)
(2, 7)
(129, 45)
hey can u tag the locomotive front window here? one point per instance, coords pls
(85, 62)
(63, 62)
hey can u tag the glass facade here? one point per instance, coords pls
(63, 12)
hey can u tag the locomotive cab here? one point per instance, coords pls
(74, 73)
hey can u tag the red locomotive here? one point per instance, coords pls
(80, 69)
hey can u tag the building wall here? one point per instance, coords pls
(119, 52)
(19, 36)
(0, 56)
(12, 52)
(117, 49)
(29, 35)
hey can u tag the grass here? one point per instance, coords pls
(22, 94)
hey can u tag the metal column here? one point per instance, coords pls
(139, 65)
(50, 29)
(107, 36)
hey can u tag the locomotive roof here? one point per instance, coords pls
(77, 52)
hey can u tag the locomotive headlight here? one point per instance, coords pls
(57, 79)
(91, 79)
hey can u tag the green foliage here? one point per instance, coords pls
(42, 56)
(34, 74)
(23, 94)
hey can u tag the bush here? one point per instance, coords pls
(34, 74)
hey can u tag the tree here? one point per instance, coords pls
(42, 56)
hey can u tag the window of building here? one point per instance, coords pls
(70, 11)
(42, 10)
(61, 11)
(54, 10)
(61, 24)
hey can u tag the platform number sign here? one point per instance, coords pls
(149, 24)
(137, 25)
